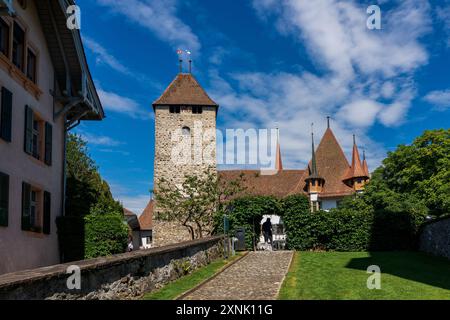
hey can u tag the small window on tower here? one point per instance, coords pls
(197, 110)
(186, 131)
(175, 109)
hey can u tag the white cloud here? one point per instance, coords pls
(443, 14)
(336, 35)
(387, 90)
(158, 16)
(116, 103)
(439, 99)
(103, 56)
(360, 113)
(97, 140)
(366, 76)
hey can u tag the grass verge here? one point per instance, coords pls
(343, 276)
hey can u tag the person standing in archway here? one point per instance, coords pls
(267, 231)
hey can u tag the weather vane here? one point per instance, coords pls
(180, 54)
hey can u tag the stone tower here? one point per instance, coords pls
(185, 131)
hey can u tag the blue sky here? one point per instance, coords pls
(266, 62)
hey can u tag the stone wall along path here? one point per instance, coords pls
(258, 276)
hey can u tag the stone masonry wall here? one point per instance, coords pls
(435, 238)
(166, 233)
(125, 276)
(203, 146)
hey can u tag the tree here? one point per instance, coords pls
(419, 172)
(86, 192)
(196, 201)
(94, 224)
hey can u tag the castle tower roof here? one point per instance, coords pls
(365, 166)
(278, 160)
(332, 165)
(356, 170)
(313, 172)
(185, 90)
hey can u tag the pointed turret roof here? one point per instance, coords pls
(185, 90)
(356, 170)
(332, 165)
(365, 166)
(313, 172)
(278, 160)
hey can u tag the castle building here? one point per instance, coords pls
(184, 105)
(327, 180)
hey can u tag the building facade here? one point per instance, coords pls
(46, 89)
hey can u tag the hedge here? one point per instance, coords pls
(105, 234)
(92, 236)
(357, 227)
(360, 229)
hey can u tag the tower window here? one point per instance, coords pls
(197, 110)
(186, 131)
(175, 109)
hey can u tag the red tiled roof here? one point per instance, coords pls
(332, 166)
(356, 170)
(278, 160)
(365, 166)
(146, 218)
(280, 184)
(185, 90)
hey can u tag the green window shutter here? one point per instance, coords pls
(26, 206)
(48, 143)
(47, 212)
(28, 144)
(6, 115)
(4, 199)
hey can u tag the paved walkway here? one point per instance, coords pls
(258, 276)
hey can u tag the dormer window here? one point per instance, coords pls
(175, 109)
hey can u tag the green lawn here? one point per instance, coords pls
(343, 276)
(179, 286)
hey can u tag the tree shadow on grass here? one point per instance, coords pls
(392, 247)
(415, 266)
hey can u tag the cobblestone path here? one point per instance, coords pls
(258, 276)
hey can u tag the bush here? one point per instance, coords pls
(355, 227)
(105, 234)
